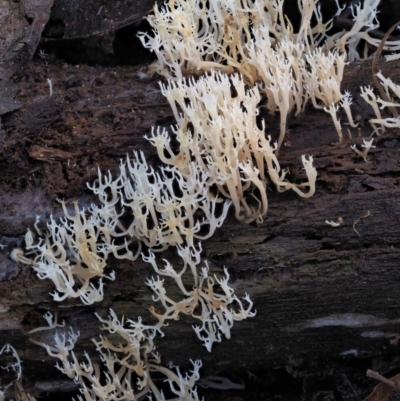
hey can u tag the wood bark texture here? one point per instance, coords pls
(327, 298)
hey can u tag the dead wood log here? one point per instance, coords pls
(326, 297)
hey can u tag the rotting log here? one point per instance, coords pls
(326, 297)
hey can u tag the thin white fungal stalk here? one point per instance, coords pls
(345, 103)
(367, 145)
(332, 110)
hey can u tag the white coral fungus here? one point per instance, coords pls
(162, 205)
(256, 39)
(190, 37)
(161, 208)
(15, 366)
(74, 250)
(209, 299)
(217, 131)
(392, 93)
(128, 364)
(367, 145)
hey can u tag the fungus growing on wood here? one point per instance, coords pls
(345, 103)
(369, 96)
(193, 37)
(14, 366)
(72, 251)
(210, 299)
(218, 132)
(7, 350)
(332, 110)
(127, 364)
(365, 20)
(367, 145)
(334, 224)
(390, 90)
(162, 205)
(257, 41)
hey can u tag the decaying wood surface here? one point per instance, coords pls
(327, 298)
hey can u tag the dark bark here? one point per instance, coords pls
(326, 298)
